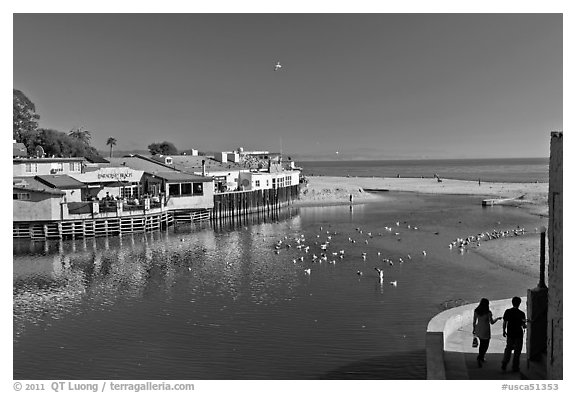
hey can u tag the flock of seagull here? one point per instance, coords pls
(322, 243)
(474, 240)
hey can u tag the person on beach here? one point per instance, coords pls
(350, 198)
(513, 330)
(481, 328)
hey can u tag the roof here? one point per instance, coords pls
(182, 177)
(63, 182)
(140, 163)
(97, 160)
(48, 159)
(31, 184)
(51, 191)
(192, 164)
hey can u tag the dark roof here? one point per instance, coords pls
(63, 182)
(97, 160)
(181, 177)
(19, 150)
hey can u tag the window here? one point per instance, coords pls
(279, 182)
(174, 189)
(257, 183)
(31, 167)
(21, 196)
(198, 189)
(186, 188)
(289, 181)
(74, 167)
(129, 192)
(274, 183)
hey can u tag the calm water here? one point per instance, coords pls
(219, 303)
(493, 170)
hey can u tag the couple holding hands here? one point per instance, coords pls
(512, 328)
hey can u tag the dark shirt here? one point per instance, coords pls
(516, 321)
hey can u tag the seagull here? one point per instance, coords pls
(394, 283)
(307, 271)
(380, 273)
(277, 66)
(359, 273)
(424, 253)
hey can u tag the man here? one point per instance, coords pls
(513, 329)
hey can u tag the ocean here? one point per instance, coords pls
(512, 170)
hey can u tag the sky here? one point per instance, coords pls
(352, 85)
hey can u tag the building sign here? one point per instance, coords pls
(115, 174)
(119, 174)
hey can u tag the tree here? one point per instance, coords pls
(25, 118)
(59, 144)
(165, 148)
(55, 143)
(81, 134)
(111, 142)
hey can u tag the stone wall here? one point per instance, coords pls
(555, 319)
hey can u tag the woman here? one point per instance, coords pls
(481, 327)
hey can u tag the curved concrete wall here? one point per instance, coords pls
(447, 322)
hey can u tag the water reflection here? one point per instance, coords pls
(54, 278)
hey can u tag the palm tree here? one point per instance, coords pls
(81, 134)
(112, 142)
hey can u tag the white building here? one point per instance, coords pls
(46, 166)
(267, 180)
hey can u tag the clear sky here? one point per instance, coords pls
(377, 86)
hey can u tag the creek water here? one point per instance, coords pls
(220, 302)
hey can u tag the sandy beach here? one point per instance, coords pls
(514, 253)
(324, 189)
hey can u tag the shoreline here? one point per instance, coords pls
(516, 254)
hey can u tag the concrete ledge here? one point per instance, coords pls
(447, 322)
(434, 358)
